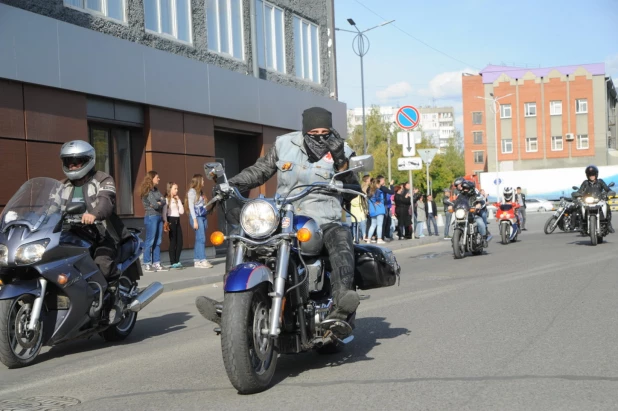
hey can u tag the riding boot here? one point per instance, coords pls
(345, 298)
(485, 242)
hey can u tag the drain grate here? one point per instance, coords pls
(38, 404)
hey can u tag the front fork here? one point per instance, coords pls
(281, 273)
(37, 306)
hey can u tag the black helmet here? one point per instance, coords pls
(458, 181)
(467, 185)
(592, 170)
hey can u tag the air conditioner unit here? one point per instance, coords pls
(569, 137)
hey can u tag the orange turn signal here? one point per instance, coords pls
(63, 279)
(1, 283)
(217, 238)
(303, 235)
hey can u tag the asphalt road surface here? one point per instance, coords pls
(527, 326)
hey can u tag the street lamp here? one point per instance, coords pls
(495, 105)
(360, 45)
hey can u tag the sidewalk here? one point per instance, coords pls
(190, 276)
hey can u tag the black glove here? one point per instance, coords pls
(335, 145)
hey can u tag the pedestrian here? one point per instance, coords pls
(448, 213)
(153, 202)
(387, 192)
(520, 198)
(195, 202)
(172, 210)
(432, 213)
(421, 216)
(376, 211)
(402, 207)
(365, 183)
(359, 226)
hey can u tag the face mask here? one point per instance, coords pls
(316, 145)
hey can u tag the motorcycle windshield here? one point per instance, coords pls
(506, 207)
(34, 205)
(462, 202)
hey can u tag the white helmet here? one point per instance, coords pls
(77, 152)
(508, 193)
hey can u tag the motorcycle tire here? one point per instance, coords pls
(8, 340)
(550, 227)
(503, 234)
(458, 251)
(120, 331)
(250, 368)
(593, 230)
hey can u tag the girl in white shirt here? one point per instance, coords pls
(172, 210)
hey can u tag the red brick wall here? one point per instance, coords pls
(472, 87)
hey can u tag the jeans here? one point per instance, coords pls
(358, 230)
(376, 222)
(522, 211)
(484, 214)
(386, 225)
(480, 224)
(420, 225)
(447, 224)
(431, 219)
(199, 251)
(152, 245)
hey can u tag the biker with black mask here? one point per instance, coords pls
(311, 156)
(593, 185)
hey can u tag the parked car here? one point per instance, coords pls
(535, 204)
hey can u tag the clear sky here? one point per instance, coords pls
(400, 70)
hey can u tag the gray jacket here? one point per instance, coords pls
(153, 202)
(289, 160)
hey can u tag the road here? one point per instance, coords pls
(530, 325)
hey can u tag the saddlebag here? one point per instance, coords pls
(375, 267)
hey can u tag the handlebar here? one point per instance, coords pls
(78, 220)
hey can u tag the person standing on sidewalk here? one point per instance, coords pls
(421, 216)
(448, 214)
(172, 210)
(402, 211)
(520, 198)
(153, 202)
(195, 202)
(358, 207)
(387, 192)
(432, 213)
(375, 197)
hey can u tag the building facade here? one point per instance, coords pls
(546, 118)
(437, 122)
(158, 84)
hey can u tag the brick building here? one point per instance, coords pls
(159, 84)
(547, 118)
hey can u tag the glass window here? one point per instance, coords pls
(169, 17)
(478, 157)
(225, 27)
(477, 117)
(114, 9)
(505, 111)
(271, 36)
(581, 106)
(532, 144)
(306, 50)
(555, 108)
(530, 109)
(507, 146)
(582, 141)
(478, 137)
(556, 143)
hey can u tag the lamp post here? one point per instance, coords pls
(361, 45)
(495, 105)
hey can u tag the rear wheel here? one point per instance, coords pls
(19, 347)
(592, 229)
(550, 225)
(122, 330)
(458, 245)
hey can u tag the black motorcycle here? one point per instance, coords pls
(51, 291)
(566, 217)
(466, 237)
(277, 297)
(595, 210)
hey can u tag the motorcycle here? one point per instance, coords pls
(508, 221)
(565, 217)
(51, 290)
(594, 214)
(466, 237)
(277, 297)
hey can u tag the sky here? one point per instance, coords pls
(420, 57)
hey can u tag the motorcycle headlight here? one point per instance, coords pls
(4, 255)
(460, 214)
(259, 219)
(30, 253)
(590, 200)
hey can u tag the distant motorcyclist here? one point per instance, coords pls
(475, 200)
(508, 197)
(595, 186)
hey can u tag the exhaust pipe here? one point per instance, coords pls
(146, 297)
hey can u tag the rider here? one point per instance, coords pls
(477, 201)
(98, 191)
(508, 197)
(594, 185)
(305, 157)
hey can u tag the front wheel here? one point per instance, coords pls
(459, 248)
(249, 355)
(550, 225)
(592, 229)
(19, 347)
(504, 234)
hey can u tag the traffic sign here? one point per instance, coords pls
(427, 154)
(497, 181)
(409, 163)
(407, 139)
(408, 117)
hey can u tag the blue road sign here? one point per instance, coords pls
(498, 181)
(408, 117)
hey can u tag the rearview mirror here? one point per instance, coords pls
(213, 170)
(362, 163)
(611, 184)
(76, 208)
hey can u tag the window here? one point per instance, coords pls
(507, 146)
(556, 143)
(478, 157)
(582, 141)
(532, 144)
(114, 9)
(169, 17)
(113, 148)
(581, 106)
(271, 38)
(225, 27)
(477, 117)
(555, 108)
(478, 137)
(505, 111)
(530, 109)
(307, 50)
